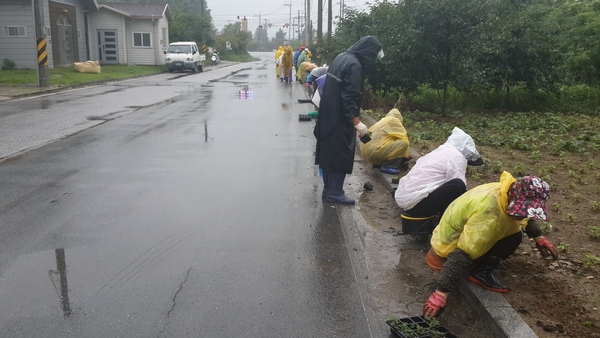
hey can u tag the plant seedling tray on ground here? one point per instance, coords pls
(304, 117)
(418, 327)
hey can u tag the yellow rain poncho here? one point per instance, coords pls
(278, 53)
(389, 139)
(475, 221)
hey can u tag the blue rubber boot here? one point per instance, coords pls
(335, 193)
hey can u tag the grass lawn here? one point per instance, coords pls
(65, 76)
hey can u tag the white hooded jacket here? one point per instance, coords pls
(445, 163)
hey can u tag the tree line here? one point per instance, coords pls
(483, 54)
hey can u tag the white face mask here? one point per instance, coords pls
(380, 55)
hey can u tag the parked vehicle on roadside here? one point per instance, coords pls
(214, 58)
(184, 55)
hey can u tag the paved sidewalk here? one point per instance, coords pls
(8, 93)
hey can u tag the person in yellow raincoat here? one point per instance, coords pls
(278, 54)
(389, 141)
(301, 71)
(481, 228)
(287, 62)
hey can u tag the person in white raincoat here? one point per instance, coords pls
(481, 228)
(437, 178)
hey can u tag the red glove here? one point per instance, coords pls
(435, 303)
(545, 247)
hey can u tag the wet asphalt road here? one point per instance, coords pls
(179, 208)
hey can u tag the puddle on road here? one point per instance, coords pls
(45, 104)
(245, 93)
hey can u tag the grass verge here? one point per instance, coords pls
(66, 76)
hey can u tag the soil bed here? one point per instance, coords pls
(555, 298)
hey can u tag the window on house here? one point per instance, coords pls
(14, 31)
(141, 40)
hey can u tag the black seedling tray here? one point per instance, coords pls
(304, 117)
(418, 327)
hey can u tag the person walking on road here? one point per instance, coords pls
(278, 54)
(481, 228)
(339, 112)
(287, 64)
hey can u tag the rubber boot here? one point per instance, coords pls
(335, 193)
(325, 184)
(481, 274)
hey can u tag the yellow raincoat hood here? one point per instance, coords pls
(475, 221)
(389, 139)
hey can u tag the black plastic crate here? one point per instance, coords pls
(418, 327)
(304, 117)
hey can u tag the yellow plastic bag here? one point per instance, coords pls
(389, 140)
(87, 67)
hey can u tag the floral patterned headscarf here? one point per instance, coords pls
(527, 198)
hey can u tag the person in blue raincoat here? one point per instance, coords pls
(339, 112)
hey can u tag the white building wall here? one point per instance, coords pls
(104, 19)
(142, 55)
(21, 50)
(163, 39)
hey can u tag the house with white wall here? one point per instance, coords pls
(128, 33)
(81, 30)
(64, 28)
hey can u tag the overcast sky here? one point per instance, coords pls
(275, 12)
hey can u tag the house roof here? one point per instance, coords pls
(140, 11)
(90, 5)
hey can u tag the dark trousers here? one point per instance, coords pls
(502, 249)
(438, 200)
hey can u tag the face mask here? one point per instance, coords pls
(380, 55)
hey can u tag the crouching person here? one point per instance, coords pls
(480, 229)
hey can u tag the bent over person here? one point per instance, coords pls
(481, 228)
(339, 111)
(438, 178)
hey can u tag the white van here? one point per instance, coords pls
(184, 55)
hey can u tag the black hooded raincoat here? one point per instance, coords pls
(340, 103)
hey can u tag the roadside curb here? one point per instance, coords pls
(501, 319)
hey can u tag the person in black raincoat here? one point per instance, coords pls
(339, 112)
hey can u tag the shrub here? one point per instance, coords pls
(8, 65)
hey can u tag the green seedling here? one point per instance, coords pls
(564, 247)
(546, 227)
(571, 173)
(576, 197)
(595, 231)
(551, 169)
(572, 185)
(518, 170)
(556, 206)
(591, 260)
(589, 324)
(595, 206)
(591, 163)
(497, 166)
(571, 218)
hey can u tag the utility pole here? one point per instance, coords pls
(329, 19)
(299, 27)
(308, 24)
(40, 39)
(289, 22)
(320, 22)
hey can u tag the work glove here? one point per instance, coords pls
(435, 303)
(362, 129)
(545, 247)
